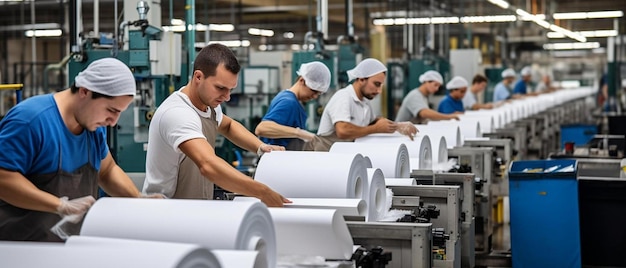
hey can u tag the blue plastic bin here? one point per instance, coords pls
(579, 134)
(545, 228)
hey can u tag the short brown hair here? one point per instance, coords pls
(479, 78)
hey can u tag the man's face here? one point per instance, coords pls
(214, 90)
(100, 112)
(432, 86)
(372, 85)
(459, 93)
(309, 93)
(480, 87)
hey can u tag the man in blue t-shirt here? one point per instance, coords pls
(453, 102)
(502, 91)
(521, 87)
(54, 153)
(285, 121)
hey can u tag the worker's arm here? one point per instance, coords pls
(239, 135)
(478, 106)
(434, 115)
(18, 191)
(114, 180)
(349, 131)
(273, 130)
(222, 174)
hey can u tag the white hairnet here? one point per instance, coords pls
(526, 71)
(456, 82)
(431, 76)
(366, 68)
(108, 77)
(624, 83)
(316, 75)
(508, 73)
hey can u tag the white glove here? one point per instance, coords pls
(77, 206)
(304, 135)
(408, 129)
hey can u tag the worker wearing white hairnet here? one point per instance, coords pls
(470, 100)
(181, 161)
(415, 106)
(348, 115)
(55, 154)
(453, 102)
(503, 90)
(284, 123)
(522, 86)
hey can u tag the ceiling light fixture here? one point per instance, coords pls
(201, 28)
(44, 33)
(592, 34)
(228, 43)
(261, 32)
(501, 3)
(588, 15)
(569, 46)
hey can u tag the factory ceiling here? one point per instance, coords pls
(299, 17)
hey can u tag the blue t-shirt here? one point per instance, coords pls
(501, 92)
(32, 133)
(449, 105)
(520, 87)
(286, 110)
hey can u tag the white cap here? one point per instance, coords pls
(109, 77)
(508, 73)
(456, 82)
(526, 71)
(431, 76)
(366, 68)
(316, 75)
(624, 83)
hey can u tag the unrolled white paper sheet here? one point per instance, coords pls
(212, 224)
(377, 195)
(178, 254)
(344, 206)
(240, 258)
(451, 133)
(391, 159)
(420, 152)
(313, 174)
(312, 232)
(400, 181)
(28, 255)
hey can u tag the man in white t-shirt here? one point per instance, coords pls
(348, 115)
(470, 100)
(181, 160)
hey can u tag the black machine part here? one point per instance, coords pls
(373, 258)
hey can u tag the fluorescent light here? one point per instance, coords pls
(221, 27)
(288, 35)
(261, 32)
(588, 15)
(597, 33)
(201, 28)
(493, 18)
(560, 46)
(43, 33)
(177, 22)
(228, 43)
(500, 3)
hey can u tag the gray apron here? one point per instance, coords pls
(28, 225)
(190, 183)
(323, 143)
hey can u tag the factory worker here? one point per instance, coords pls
(55, 154)
(522, 86)
(453, 102)
(284, 123)
(470, 100)
(181, 160)
(348, 114)
(503, 90)
(415, 107)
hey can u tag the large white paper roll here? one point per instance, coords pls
(391, 159)
(469, 127)
(420, 152)
(313, 174)
(440, 150)
(212, 224)
(377, 195)
(400, 181)
(368, 161)
(240, 258)
(28, 255)
(312, 232)
(452, 134)
(487, 121)
(176, 254)
(344, 206)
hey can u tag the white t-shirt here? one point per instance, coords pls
(174, 122)
(345, 106)
(469, 100)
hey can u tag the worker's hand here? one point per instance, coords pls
(304, 135)
(77, 206)
(273, 199)
(154, 196)
(384, 125)
(453, 116)
(489, 106)
(266, 148)
(408, 129)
